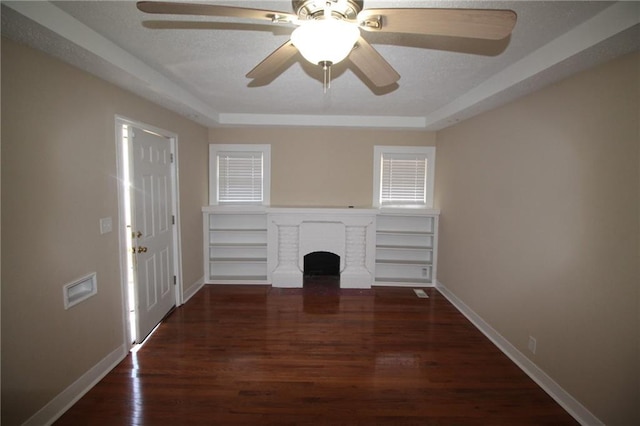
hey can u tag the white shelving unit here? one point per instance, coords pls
(406, 247)
(235, 245)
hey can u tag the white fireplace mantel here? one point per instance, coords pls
(293, 233)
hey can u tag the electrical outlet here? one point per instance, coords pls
(532, 344)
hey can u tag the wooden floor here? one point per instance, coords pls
(252, 355)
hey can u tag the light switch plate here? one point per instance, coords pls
(106, 225)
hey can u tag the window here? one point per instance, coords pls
(403, 176)
(239, 174)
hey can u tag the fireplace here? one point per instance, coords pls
(321, 263)
(348, 234)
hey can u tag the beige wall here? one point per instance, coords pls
(58, 179)
(539, 227)
(321, 167)
(540, 230)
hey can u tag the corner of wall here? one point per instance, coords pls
(561, 396)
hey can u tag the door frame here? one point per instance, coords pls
(124, 233)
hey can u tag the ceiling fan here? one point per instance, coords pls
(328, 31)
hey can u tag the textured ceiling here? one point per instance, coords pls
(200, 73)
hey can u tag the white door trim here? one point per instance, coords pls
(123, 233)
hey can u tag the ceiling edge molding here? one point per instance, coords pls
(322, 120)
(69, 28)
(611, 21)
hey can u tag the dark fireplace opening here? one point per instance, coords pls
(321, 263)
(321, 279)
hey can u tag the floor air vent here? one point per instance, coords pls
(80, 290)
(420, 293)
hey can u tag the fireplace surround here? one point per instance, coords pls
(348, 233)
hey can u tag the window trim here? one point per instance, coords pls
(214, 149)
(380, 150)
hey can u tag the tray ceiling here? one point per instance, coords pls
(196, 66)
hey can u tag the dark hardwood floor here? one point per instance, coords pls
(253, 355)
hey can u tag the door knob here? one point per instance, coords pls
(142, 249)
(138, 234)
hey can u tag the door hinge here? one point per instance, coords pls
(171, 157)
(173, 219)
(174, 280)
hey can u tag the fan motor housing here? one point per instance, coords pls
(314, 9)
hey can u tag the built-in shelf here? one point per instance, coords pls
(391, 247)
(238, 230)
(238, 279)
(403, 281)
(238, 259)
(402, 262)
(236, 247)
(406, 247)
(387, 232)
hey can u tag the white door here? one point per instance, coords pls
(152, 226)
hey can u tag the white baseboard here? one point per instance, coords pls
(192, 289)
(562, 397)
(65, 399)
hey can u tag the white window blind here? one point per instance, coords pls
(240, 177)
(403, 179)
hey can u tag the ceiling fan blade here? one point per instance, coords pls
(274, 61)
(372, 64)
(173, 8)
(474, 23)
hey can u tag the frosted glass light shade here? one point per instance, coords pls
(322, 40)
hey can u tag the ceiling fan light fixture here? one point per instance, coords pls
(325, 40)
(329, 29)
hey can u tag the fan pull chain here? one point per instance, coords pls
(326, 65)
(326, 71)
